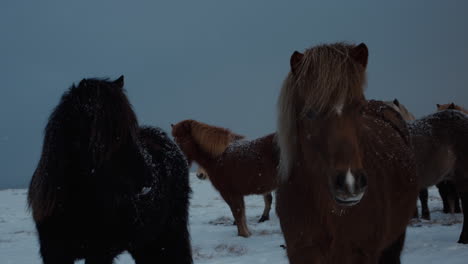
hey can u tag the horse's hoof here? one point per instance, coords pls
(263, 219)
(426, 217)
(463, 241)
(246, 234)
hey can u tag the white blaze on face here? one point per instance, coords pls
(339, 109)
(350, 181)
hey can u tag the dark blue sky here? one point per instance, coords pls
(221, 63)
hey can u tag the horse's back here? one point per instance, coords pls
(166, 159)
(248, 167)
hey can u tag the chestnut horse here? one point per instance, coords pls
(236, 167)
(423, 193)
(348, 176)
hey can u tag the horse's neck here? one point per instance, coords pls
(194, 152)
(128, 163)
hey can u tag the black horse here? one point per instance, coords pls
(105, 185)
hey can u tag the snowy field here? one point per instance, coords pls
(214, 237)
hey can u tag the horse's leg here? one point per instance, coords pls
(236, 203)
(455, 198)
(53, 253)
(54, 246)
(166, 249)
(443, 191)
(416, 213)
(99, 259)
(391, 255)
(171, 245)
(457, 203)
(306, 255)
(464, 234)
(425, 213)
(268, 198)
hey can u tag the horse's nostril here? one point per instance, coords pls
(364, 181)
(361, 179)
(340, 181)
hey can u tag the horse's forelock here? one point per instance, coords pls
(328, 79)
(111, 119)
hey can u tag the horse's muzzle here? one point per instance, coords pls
(348, 187)
(201, 176)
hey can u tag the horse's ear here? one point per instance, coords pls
(451, 106)
(295, 61)
(438, 105)
(120, 81)
(395, 102)
(360, 53)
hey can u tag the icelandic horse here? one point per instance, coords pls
(347, 170)
(236, 168)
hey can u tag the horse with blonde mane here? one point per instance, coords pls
(235, 167)
(346, 164)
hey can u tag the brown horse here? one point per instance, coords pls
(441, 149)
(346, 164)
(236, 167)
(447, 189)
(423, 193)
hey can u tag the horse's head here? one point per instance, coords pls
(450, 106)
(198, 139)
(400, 108)
(333, 142)
(201, 173)
(319, 121)
(101, 118)
(182, 133)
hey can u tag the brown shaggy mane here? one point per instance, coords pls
(326, 78)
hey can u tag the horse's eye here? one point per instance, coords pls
(312, 115)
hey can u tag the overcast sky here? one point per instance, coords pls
(221, 62)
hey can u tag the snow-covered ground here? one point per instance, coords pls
(214, 237)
